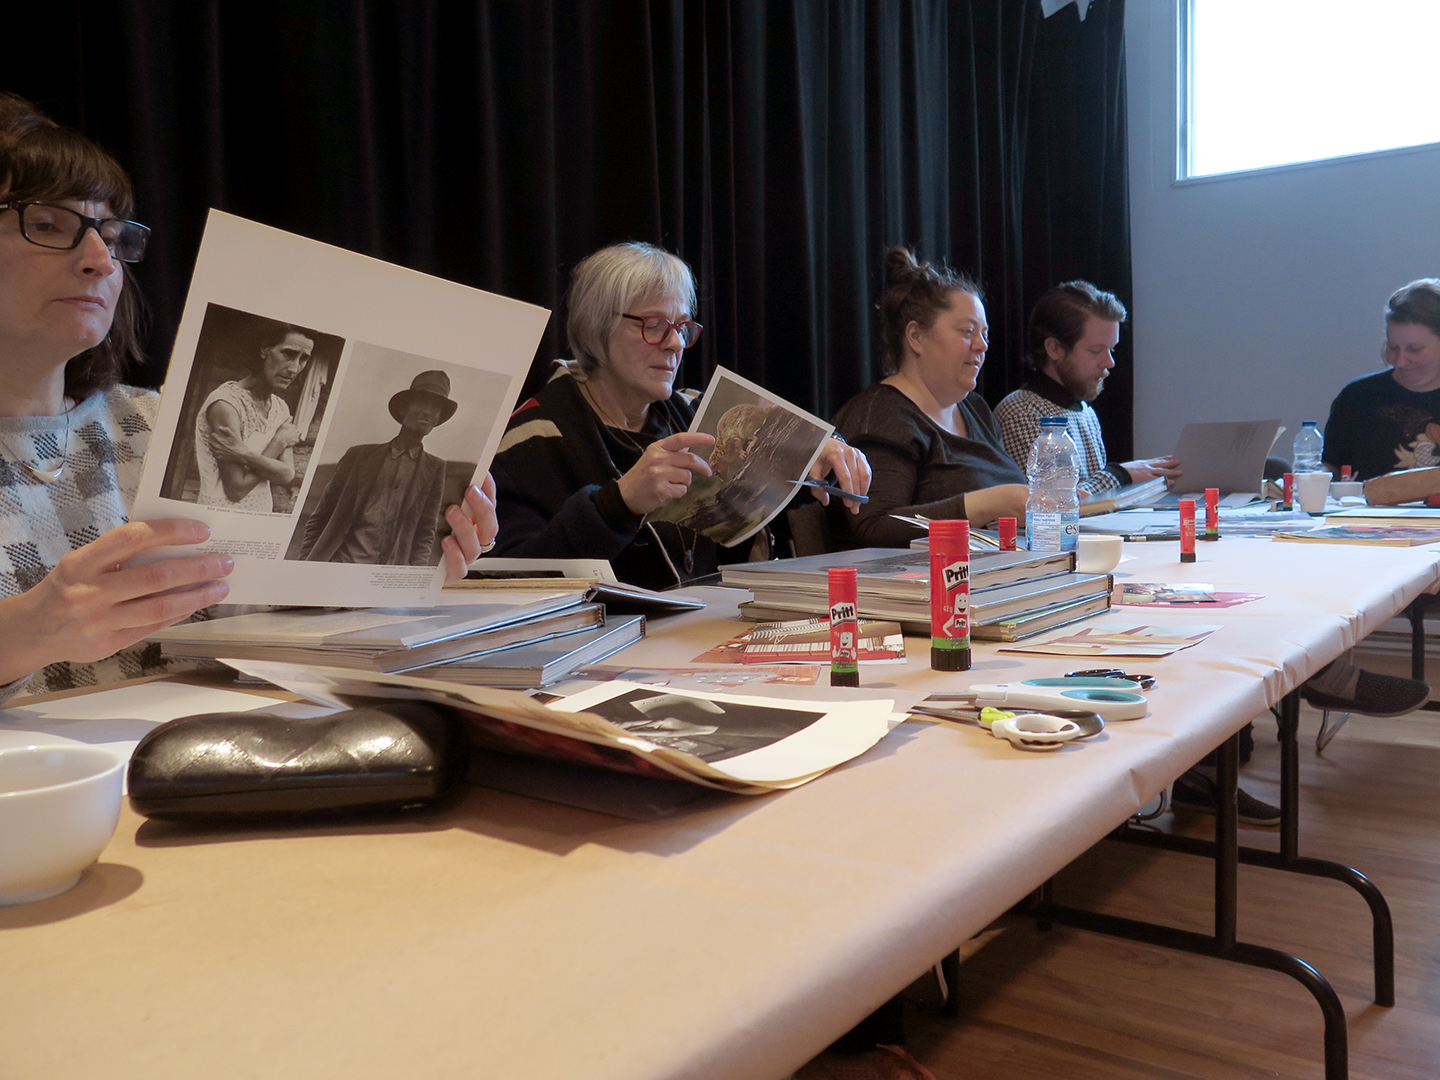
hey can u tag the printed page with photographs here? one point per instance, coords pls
(1177, 594)
(322, 409)
(1152, 640)
(764, 447)
(708, 679)
(747, 745)
(806, 641)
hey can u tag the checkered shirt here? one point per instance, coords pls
(40, 523)
(1019, 417)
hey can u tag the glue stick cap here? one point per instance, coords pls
(950, 531)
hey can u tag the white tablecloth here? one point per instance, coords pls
(515, 938)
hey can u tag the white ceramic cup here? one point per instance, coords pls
(1310, 491)
(1097, 554)
(59, 805)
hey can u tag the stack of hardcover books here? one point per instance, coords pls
(1013, 594)
(519, 638)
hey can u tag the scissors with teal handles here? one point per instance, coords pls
(1112, 699)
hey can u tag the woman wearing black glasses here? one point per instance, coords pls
(73, 437)
(605, 442)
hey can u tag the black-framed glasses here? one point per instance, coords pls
(654, 329)
(61, 228)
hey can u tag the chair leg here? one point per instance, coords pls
(947, 974)
(1416, 614)
(1327, 729)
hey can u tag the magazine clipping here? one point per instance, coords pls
(764, 447)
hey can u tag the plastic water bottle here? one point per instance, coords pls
(1052, 510)
(1308, 449)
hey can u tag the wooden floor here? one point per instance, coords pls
(1070, 1005)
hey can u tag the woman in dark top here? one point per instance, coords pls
(1391, 419)
(933, 445)
(604, 443)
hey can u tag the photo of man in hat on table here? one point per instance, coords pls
(384, 502)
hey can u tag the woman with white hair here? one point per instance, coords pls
(605, 442)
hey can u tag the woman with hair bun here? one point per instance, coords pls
(933, 445)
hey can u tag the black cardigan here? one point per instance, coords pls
(556, 480)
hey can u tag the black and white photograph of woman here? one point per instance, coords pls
(254, 403)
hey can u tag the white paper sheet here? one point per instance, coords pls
(375, 328)
(121, 717)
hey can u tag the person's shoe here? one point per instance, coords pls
(1196, 792)
(1341, 687)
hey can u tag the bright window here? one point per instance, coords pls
(1273, 82)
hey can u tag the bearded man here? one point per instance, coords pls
(1070, 347)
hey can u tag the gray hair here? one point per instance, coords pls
(607, 283)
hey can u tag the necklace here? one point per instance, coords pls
(45, 476)
(605, 419)
(686, 550)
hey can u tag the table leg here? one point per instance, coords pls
(1288, 857)
(950, 972)
(1227, 843)
(1226, 853)
(1416, 614)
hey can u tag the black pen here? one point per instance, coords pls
(1151, 536)
(831, 489)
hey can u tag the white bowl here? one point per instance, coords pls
(59, 805)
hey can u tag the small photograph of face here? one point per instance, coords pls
(711, 730)
(422, 413)
(283, 361)
(272, 380)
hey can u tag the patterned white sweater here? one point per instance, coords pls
(108, 434)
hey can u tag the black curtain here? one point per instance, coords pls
(779, 146)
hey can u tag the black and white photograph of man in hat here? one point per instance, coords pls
(383, 503)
